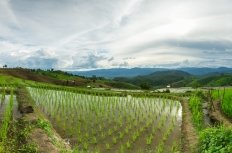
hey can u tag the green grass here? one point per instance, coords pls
(9, 80)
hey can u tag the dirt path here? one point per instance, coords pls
(218, 117)
(189, 138)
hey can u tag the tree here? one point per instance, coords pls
(94, 78)
(5, 66)
(145, 86)
(196, 84)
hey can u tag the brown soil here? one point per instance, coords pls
(189, 134)
(52, 143)
(218, 117)
(40, 138)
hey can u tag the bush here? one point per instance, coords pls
(216, 140)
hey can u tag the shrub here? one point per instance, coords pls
(216, 140)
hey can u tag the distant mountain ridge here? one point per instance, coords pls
(117, 72)
(157, 79)
(178, 78)
(132, 72)
(206, 70)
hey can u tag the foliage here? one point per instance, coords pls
(121, 85)
(145, 86)
(162, 78)
(45, 125)
(28, 148)
(214, 80)
(216, 140)
(196, 109)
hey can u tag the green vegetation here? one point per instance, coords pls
(156, 79)
(120, 85)
(61, 75)
(225, 98)
(216, 140)
(12, 134)
(92, 120)
(27, 77)
(215, 80)
(9, 80)
(196, 109)
(103, 120)
(179, 79)
(7, 119)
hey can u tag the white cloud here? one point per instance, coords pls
(102, 33)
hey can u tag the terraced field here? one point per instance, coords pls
(113, 124)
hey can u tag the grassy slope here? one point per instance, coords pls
(215, 80)
(31, 77)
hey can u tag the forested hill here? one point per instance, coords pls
(157, 79)
(177, 78)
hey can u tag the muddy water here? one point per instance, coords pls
(206, 118)
(3, 105)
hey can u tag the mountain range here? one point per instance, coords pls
(133, 72)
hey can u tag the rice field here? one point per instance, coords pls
(102, 124)
(225, 97)
(6, 115)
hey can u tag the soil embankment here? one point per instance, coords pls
(218, 117)
(40, 132)
(189, 134)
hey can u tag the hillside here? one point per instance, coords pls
(157, 79)
(40, 76)
(178, 78)
(213, 79)
(205, 70)
(19, 76)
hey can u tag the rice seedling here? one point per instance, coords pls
(225, 98)
(128, 144)
(107, 146)
(196, 109)
(117, 122)
(7, 117)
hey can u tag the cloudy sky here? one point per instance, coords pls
(89, 34)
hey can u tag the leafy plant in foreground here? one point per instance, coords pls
(216, 140)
